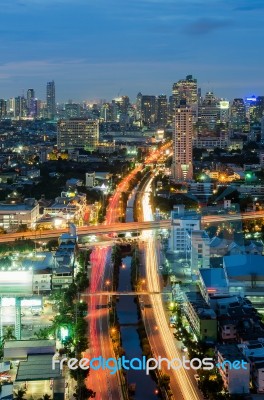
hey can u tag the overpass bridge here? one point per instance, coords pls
(120, 227)
(112, 293)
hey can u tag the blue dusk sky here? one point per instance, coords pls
(101, 48)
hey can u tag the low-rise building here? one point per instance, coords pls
(245, 274)
(14, 215)
(213, 283)
(37, 376)
(236, 381)
(254, 351)
(201, 317)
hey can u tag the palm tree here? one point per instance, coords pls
(19, 395)
(42, 333)
(9, 334)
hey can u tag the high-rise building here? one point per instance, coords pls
(30, 96)
(259, 111)
(106, 112)
(262, 131)
(20, 109)
(72, 110)
(224, 111)
(120, 106)
(148, 109)
(209, 111)
(3, 110)
(162, 111)
(238, 114)
(77, 133)
(185, 89)
(182, 166)
(51, 103)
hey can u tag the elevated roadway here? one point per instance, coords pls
(121, 227)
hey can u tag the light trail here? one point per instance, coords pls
(182, 384)
(119, 227)
(107, 386)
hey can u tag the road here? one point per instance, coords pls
(105, 385)
(162, 341)
(110, 225)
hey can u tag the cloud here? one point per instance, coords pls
(203, 26)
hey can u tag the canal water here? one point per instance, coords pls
(127, 313)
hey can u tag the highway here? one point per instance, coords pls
(161, 339)
(121, 227)
(105, 385)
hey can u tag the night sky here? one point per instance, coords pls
(102, 48)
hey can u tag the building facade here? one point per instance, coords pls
(51, 102)
(77, 133)
(182, 165)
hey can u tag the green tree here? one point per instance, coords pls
(45, 397)
(43, 333)
(9, 334)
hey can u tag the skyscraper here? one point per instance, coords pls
(185, 89)
(148, 109)
(209, 111)
(77, 133)
(51, 103)
(3, 110)
(20, 109)
(162, 111)
(182, 166)
(238, 114)
(30, 96)
(259, 112)
(31, 103)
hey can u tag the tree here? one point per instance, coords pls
(9, 334)
(83, 393)
(45, 397)
(42, 333)
(53, 243)
(19, 395)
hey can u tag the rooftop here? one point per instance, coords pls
(38, 367)
(230, 352)
(199, 304)
(213, 277)
(244, 266)
(12, 344)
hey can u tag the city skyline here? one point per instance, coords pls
(97, 51)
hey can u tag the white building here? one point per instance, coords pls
(90, 179)
(198, 244)
(13, 215)
(182, 223)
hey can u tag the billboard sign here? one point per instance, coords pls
(16, 283)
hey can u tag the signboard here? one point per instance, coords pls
(16, 283)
